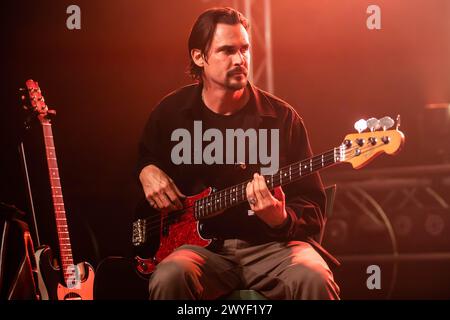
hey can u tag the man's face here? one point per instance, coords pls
(228, 59)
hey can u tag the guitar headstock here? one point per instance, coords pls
(362, 147)
(33, 100)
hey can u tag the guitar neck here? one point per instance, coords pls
(58, 202)
(232, 196)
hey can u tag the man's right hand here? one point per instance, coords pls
(160, 190)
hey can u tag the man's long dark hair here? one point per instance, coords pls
(203, 30)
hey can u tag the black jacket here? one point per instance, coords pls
(305, 199)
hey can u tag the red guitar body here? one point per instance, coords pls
(184, 230)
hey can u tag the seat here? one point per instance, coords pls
(330, 193)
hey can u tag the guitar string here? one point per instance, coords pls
(154, 224)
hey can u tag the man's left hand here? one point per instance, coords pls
(269, 208)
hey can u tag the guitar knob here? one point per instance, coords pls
(143, 266)
(385, 139)
(386, 123)
(347, 143)
(373, 124)
(373, 141)
(360, 125)
(360, 142)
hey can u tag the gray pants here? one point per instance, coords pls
(277, 270)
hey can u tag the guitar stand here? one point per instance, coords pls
(18, 269)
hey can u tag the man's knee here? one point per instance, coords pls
(313, 281)
(166, 274)
(168, 277)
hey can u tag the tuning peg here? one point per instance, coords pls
(360, 125)
(386, 123)
(373, 124)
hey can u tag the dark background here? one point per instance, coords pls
(104, 80)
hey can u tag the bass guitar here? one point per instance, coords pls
(173, 229)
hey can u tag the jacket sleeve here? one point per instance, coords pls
(305, 198)
(149, 150)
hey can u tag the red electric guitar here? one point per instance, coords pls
(73, 282)
(156, 236)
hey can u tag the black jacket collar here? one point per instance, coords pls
(263, 105)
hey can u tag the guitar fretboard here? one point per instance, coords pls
(232, 196)
(58, 203)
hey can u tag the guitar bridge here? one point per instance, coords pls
(139, 232)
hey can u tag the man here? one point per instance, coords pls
(266, 244)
